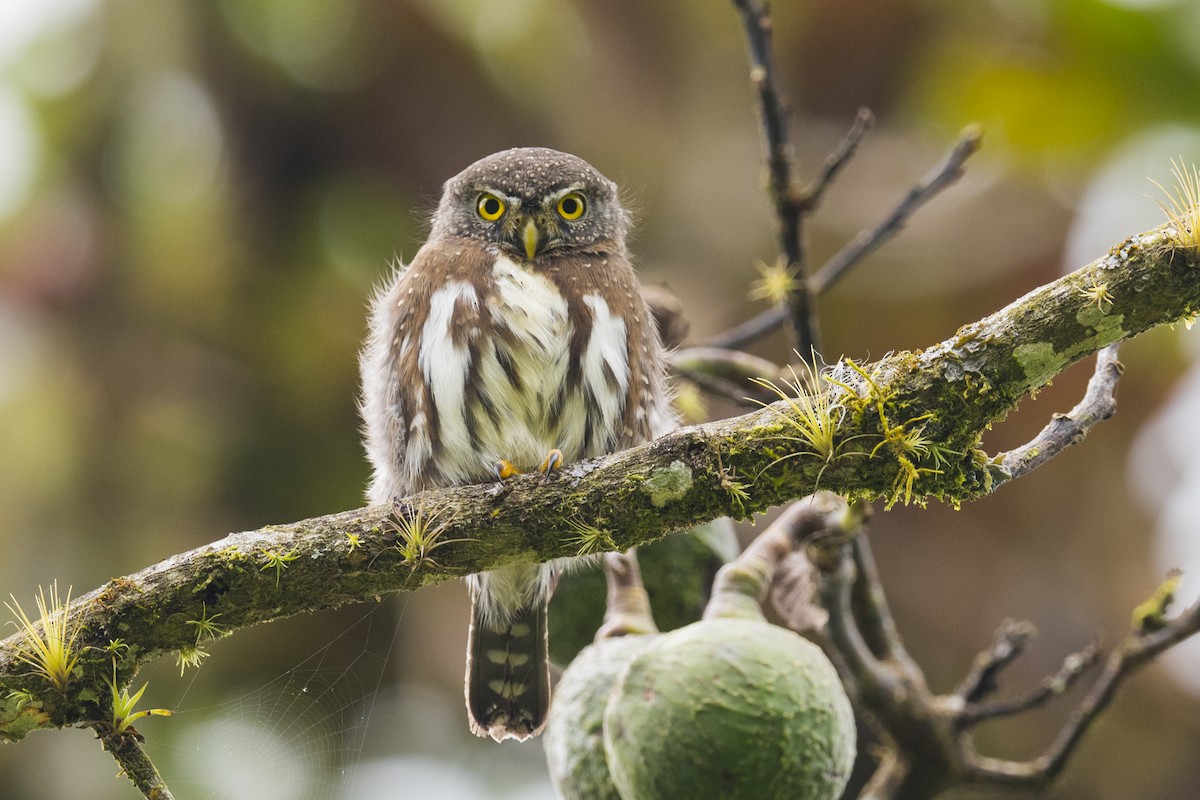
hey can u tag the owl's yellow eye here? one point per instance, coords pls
(490, 207)
(571, 206)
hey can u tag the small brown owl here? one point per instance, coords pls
(517, 338)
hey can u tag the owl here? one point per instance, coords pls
(515, 341)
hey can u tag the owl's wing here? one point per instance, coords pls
(424, 327)
(390, 386)
(647, 413)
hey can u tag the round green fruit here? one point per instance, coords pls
(729, 709)
(574, 740)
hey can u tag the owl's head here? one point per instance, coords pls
(531, 200)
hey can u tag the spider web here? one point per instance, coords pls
(298, 736)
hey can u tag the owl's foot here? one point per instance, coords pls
(503, 469)
(552, 462)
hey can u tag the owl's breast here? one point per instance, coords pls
(528, 367)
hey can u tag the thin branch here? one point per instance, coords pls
(767, 321)
(725, 389)
(786, 196)
(873, 614)
(864, 243)
(1098, 404)
(726, 373)
(871, 238)
(834, 162)
(1134, 652)
(823, 516)
(732, 365)
(742, 334)
(137, 766)
(1008, 643)
(862, 671)
(1073, 667)
(887, 778)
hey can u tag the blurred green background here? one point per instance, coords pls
(197, 197)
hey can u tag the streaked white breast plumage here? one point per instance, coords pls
(528, 418)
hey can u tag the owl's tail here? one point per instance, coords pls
(508, 672)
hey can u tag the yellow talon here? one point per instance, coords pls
(504, 469)
(554, 460)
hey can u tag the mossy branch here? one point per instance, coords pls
(910, 431)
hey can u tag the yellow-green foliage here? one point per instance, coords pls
(777, 284)
(207, 627)
(192, 656)
(589, 539)
(1151, 614)
(49, 646)
(123, 704)
(1183, 205)
(906, 441)
(815, 412)
(1097, 294)
(419, 533)
(273, 559)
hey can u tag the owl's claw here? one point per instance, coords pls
(503, 469)
(553, 461)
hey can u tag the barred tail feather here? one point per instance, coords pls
(508, 672)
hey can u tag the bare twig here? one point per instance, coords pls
(871, 238)
(732, 365)
(1098, 404)
(860, 667)
(837, 159)
(864, 243)
(723, 388)
(767, 321)
(746, 332)
(872, 612)
(927, 747)
(786, 196)
(1008, 643)
(1137, 649)
(819, 516)
(726, 373)
(887, 778)
(1073, 667)
(137, 766)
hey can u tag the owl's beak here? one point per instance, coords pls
(531, 236)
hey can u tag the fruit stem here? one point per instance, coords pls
(628, 606)
(742, 584)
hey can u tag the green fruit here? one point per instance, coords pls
(574, 740)
(729, 708)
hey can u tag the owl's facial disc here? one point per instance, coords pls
(528, 223)
(531, 228)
